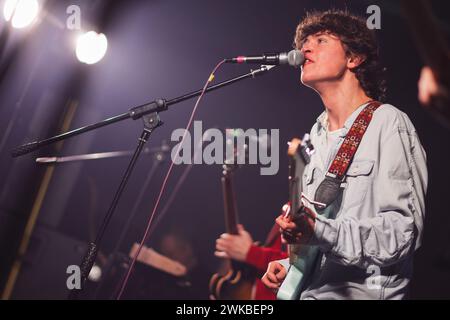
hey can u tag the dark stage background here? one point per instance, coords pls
(164, 49)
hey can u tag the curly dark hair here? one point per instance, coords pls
(357, 40)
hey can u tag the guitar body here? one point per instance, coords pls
(236, 281)
(297, 273)
(235, 284)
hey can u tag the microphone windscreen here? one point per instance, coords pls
(296, 58)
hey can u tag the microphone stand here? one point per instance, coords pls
(158, 154)
(149, 112)
(158, 159)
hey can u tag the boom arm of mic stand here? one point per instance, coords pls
(134, 113)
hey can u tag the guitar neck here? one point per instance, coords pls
(299, 157)
(230, 207)
(294, 189)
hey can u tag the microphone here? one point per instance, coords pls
(294, 58)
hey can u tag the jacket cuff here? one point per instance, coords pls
(255, 257)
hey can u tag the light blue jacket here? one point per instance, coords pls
(367, 248)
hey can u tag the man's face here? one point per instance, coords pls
(326, 60)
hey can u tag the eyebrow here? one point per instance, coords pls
(316, 35)
(321, 33)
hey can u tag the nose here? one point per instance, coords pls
(306, 47)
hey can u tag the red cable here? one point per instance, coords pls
(144, 238)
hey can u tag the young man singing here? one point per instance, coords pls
(373, 221)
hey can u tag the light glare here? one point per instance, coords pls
(21, 13)
(91, 47)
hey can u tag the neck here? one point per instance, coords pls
(341, 100)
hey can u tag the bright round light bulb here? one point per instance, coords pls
(91, 47)
(21, 13)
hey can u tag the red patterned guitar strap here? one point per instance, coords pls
(329, 188)
(344, 157)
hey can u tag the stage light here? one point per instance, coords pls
(21, 13)
(91, 47)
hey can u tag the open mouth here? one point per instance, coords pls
(307, 62)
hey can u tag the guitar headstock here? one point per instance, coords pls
(238, 157)
(293, 146)
(230, 164)
(302, 148)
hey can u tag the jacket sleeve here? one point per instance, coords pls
(260, 257)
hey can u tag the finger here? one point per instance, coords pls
(276, 266)
(221, 254)
(281, 274)
(286, 223)
(289, 230)
(229, 242)
(272, 278)
(222, 247)
(282, 224)
(281, 219)
(280, 277)
(291, 225)
(222, 240)
(241, 230)
(269, 284)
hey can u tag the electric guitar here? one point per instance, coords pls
(301, 257)
(237, 280)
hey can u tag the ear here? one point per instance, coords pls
(354, 61)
